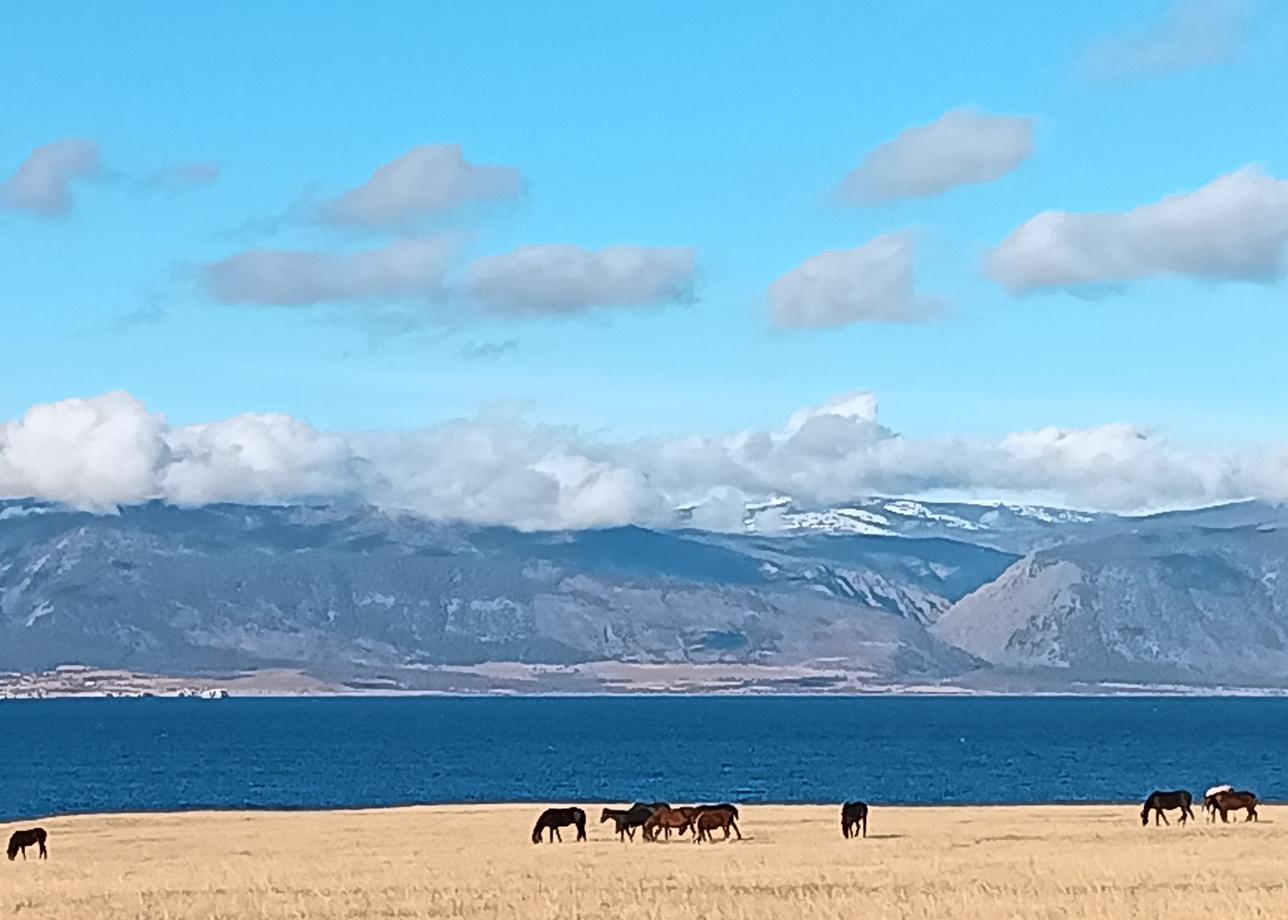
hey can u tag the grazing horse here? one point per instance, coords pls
(554, 818)
(29, 838)
(1207, 800)
(668, 819)
(1226, 802)
(713, 817)
(854, 818)
(1158, 802)
(625, 820)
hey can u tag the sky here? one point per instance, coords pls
(574, 264)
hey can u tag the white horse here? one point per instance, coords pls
(1208, 806)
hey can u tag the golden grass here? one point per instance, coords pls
(477, 862)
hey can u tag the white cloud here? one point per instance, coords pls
(110, 450)
(962, 147)
(92, 453)
(1192, 34)
(423, 181)
(556, 278)
(42, 184)
(276, 277)
(1234, 228)
(872, 283)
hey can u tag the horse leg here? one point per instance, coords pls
(44, 853)
(734, 825)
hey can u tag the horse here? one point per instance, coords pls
(1226, 802)
(1160, 801)
(668, 819)
(1208, 806)
(854, 818)
(626, 820)
(554, 818)
(712, 817)
(20, 840)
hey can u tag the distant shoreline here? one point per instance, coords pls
(607, 680)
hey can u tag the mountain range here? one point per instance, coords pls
(874, 592)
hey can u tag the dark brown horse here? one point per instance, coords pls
(708, 818)
(854, 819)
(20, 840)
(625, 820)
(554, 818)
(1158, 802)
(1225, 802)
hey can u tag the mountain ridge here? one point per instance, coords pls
(352, 592)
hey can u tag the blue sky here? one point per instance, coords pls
(720, 128)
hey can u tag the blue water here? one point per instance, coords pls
(152, 754)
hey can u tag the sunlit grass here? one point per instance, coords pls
(1076, 862)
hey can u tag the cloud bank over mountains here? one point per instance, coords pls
(109, 450)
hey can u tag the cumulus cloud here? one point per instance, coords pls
(872, 283)
(292, 278)
(111, 450)
(1234, 228)
(962, 147)
(423, 181)
(1192, 34)
(42, 184)
(92, 453)
(562, 279)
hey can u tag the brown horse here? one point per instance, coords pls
(854, 818)
(20, 840)
(715, 817)
(554, 818)
(1158, 802)
(668, 819)
(1225, 802)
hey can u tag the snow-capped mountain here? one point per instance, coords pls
(1009, 526)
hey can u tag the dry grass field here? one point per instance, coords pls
(475, 862)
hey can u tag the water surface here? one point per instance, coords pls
(72, 756)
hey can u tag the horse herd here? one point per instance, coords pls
(654, 819)
(659, 819)
(651, 819)
(1219, 800)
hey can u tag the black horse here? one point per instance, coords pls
(854, 818)
(29, 838)
(554, 818)
(626, 820)
(1158, 802)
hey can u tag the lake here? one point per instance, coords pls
(74, 756)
